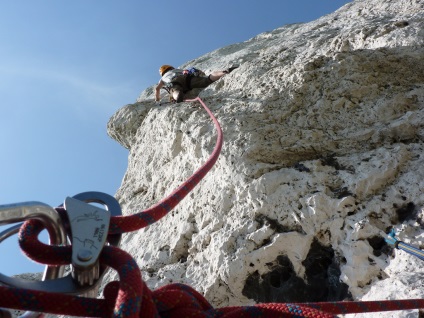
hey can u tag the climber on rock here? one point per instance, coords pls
(177, 82)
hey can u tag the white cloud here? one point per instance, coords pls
(71, 86)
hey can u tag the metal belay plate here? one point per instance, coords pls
(57, 284)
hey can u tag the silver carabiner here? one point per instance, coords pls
(20, 212)
(54, 281)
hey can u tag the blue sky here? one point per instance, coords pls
(67, 66)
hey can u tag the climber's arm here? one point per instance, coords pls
(158, 88)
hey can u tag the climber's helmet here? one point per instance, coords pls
(165, 68)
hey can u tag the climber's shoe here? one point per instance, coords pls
(230, 69)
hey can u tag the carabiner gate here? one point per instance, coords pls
(20, 212)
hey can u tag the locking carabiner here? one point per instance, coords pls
(20, 212)
(13, 213)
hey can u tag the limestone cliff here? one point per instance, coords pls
(323, 154)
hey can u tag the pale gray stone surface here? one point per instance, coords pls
(323, 153)
(323, 126)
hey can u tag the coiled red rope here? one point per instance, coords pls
(130, 297)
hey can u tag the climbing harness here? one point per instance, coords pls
(88, 236)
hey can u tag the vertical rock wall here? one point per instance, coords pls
(323, 155)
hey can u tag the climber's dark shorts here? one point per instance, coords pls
(184, 83)
(200, 81)
(187, 83)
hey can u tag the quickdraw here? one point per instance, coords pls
(94, 248)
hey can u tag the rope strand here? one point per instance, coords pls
(122, 224)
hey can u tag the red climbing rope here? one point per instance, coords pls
(130, 297)
(137, 221)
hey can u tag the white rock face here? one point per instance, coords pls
(323, 154)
